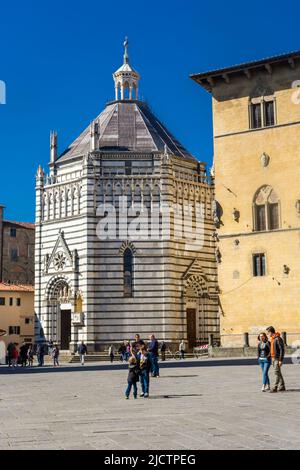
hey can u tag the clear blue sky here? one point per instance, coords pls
(57, 59)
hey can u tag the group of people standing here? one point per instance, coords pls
(142, 362)
(271, 351)
(25, 355)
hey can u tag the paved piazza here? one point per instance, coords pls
(204, 404)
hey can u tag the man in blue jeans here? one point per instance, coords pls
(153, 351)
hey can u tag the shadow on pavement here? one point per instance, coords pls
(176, 376)
(91, 367)
(156, 397)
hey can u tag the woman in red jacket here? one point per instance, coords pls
(15, 356)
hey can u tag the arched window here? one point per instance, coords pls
(128, 272)
(266, 209)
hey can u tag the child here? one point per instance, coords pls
(145, 367)
(133, 377)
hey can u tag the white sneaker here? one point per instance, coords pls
(263, 388)
(267, 387)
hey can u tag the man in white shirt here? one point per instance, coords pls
(182, 349)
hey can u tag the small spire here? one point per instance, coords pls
(40, 171)
(53, 146)
(94, 136)
(126, 57)
(126, 79)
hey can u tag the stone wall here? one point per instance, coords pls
(249, 303)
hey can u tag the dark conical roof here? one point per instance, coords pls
(128, 126)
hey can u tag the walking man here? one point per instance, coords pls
(10, 349)
(23, 355)
(82, 351)
(153, 350)
(55, 355)
(277, 355)
(111, 353)
(182, 349)
(40, 352)
(163, 348)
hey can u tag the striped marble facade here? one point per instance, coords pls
(103, 289)
(169, 276)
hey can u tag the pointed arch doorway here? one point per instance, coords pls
(196, 306)
(61, 313)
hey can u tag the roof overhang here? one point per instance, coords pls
(208, 79)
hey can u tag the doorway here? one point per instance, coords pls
(191, 327)
(65, 329)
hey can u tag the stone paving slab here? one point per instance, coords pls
(193, 405)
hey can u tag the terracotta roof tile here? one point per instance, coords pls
(20, 224)
(16, 287)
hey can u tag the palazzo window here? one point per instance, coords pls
(262, 112)
(128, 273)
(14, 254)
(14, 330)
(266, 210)
(259, 265)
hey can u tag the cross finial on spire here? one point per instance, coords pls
(126, 79)
(126, 58)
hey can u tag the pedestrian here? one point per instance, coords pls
(50, 347)
(122, 351)
(133, 377)
(163, 348)
(30, 355)
(15, 356)
(277, 356)
(55, 355)
(264, 359)
(82, 351)
(40, 352)
(23, 355)
(153, 350)
(136, 345)
(144, 363)
(10, 348)
(182, 349)
(111, 353)
(128, 350)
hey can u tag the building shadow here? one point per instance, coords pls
(92, 367)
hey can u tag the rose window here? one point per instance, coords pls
(60, 261)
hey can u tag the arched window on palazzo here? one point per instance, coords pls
(266, 210)
(128, 272)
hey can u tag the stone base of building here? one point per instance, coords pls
(240, 352)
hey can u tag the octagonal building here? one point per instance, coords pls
(124, 233)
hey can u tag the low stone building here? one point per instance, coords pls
(124, 232)
(16, 251)
(17, 313)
